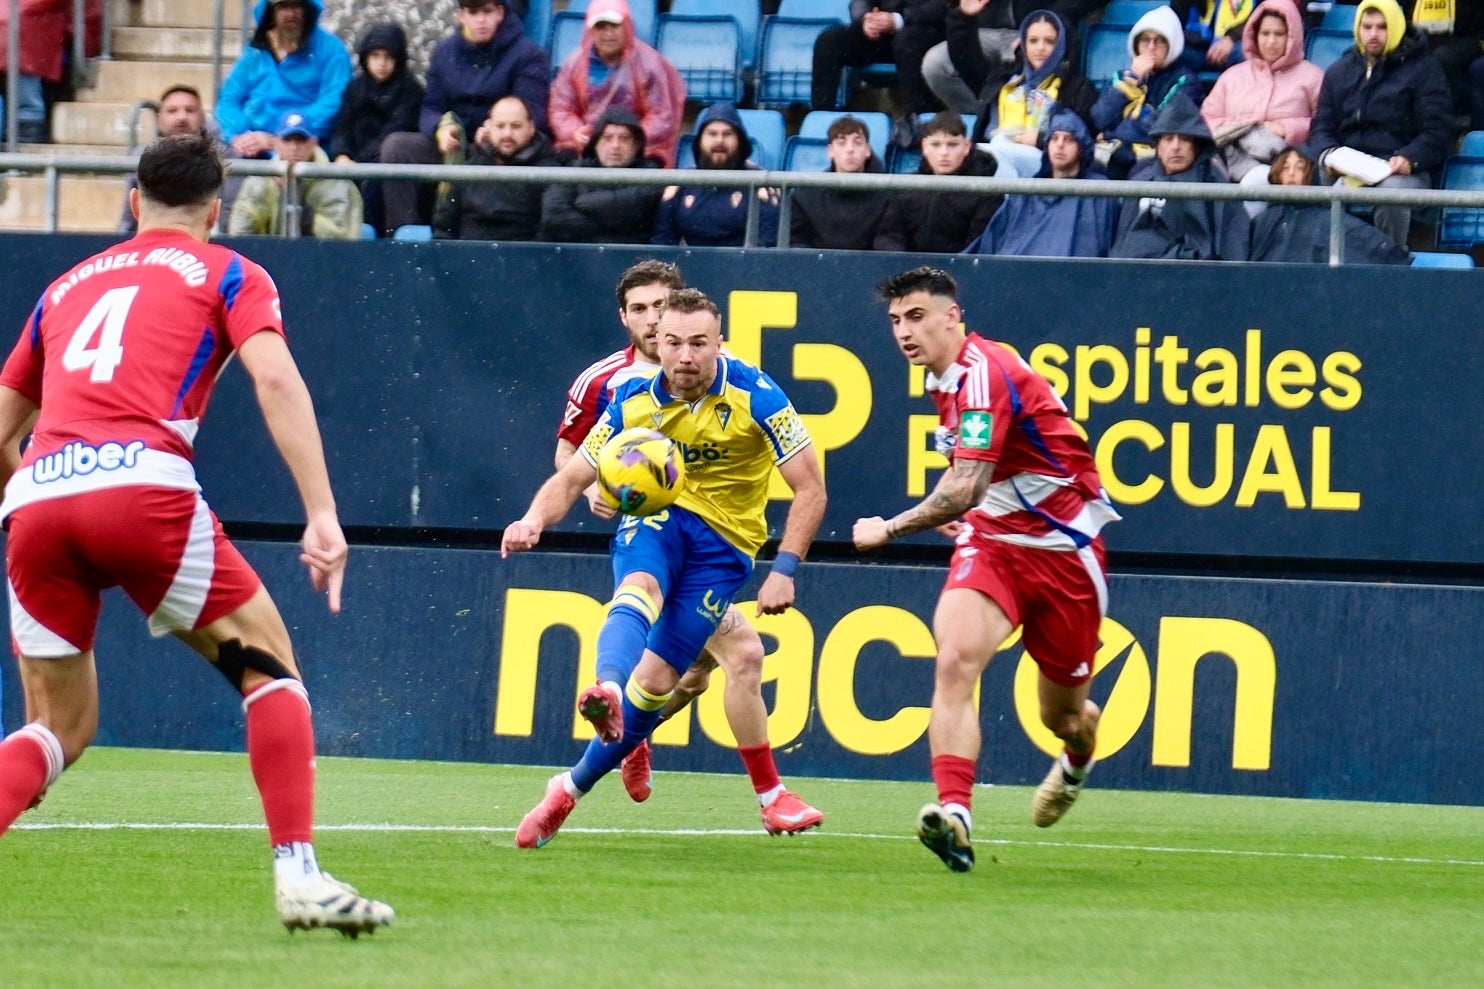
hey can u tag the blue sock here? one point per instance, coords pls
(641, 712)
(624, 633)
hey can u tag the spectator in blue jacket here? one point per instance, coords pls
(1055, 226)
(706, 216)
(292, 65)
(1126, 110)
(488, 58)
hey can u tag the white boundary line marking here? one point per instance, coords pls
(746, 833)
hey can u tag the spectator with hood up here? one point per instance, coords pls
(1185, 229)
(605, 214)
(1056, 226)
(1125, 111)
(613, 69)
(708, 216)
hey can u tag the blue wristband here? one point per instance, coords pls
(786, 564)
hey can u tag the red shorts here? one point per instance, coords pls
(163, 546)
(1060, 597)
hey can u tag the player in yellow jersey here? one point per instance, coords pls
(676, 572)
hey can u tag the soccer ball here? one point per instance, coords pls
(640, 471)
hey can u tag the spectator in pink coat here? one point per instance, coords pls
(612, 69)
(1263, 104)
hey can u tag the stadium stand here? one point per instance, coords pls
(1324, 47)
(1432, 259)
(1461, 226)
(707, 52)
(786, 52)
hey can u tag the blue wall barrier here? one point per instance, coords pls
(1236, 410)
(1300, 689)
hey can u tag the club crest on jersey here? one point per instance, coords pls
(975, 429)
(658, 418)
(724, 413)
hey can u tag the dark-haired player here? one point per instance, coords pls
(1025, 483)
(114, 368)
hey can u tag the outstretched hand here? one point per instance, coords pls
(324, 554)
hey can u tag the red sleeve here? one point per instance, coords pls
(584, 403)
(250, 301)
(983, 415)
(23, 367)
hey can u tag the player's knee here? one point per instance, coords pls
(695, 681)
(957, 669)
(248, 667)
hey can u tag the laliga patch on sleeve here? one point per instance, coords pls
(975, 429)
(788, 429)
(595, 441)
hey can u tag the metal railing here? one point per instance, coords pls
(1337, 198)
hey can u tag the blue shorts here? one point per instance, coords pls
(698, 571)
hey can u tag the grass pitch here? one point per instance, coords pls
(150, 869)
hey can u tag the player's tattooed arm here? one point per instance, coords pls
(957, 491)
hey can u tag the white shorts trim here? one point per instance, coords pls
(33, 639)
(182, 604)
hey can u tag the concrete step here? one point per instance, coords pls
(85, 203)
(173, 44)
(189, 13)
(125, 13)
(99, 124)
(127, 82)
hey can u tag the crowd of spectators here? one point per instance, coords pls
(1212, 91)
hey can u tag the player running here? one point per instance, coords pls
(1030, 554)
(115, 367)
(677, 571)
(735, 645)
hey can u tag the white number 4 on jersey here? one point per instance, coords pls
(109, 313)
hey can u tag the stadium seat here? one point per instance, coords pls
(816, 124)
(746, 13)
(537, 21)
(566, 35)
(1324, 48)
(1105, 53)
(806, 154)
(1429, 259)
(707, 52)
(1339, 17)
(769, 133)
(368, 232)
(1472, 145)
(786, 59)
(1462, 226)
(1126, 13)
(413, 232)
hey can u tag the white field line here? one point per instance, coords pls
(747, 833)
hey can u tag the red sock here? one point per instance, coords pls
(1078, 759)
(760, 766)
(30, 761)
(280, 748)
(954, 776)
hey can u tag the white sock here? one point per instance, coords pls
(294, 863)
(571, 787)
(617, 688)
(766, 799)
(960, 811)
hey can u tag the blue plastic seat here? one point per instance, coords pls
(413, 232)
(368, 232)
(1105, 53)
(747, 14)
(1324, 48)
(1126, 13)
(806, 154)
(1472, 145)
(1462, 226)
(786, 62)
(1339, 17)
(537, 22)
(1430, 259)
(769, 133)
(816, 124)
(707, 52)
(566, 35)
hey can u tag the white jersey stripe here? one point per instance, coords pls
(595, 370)
(186, 597)
(1095, 572)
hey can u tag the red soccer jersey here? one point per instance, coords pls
(1045, 489)
(589, 394)
(122, 353)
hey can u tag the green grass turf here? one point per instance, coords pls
(1132, 889)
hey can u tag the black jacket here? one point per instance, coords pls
(495, 210)
(838, 219)
(1404, 108)
(1291, 232)
(938, 222)
(371, 110)
(603, 214)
